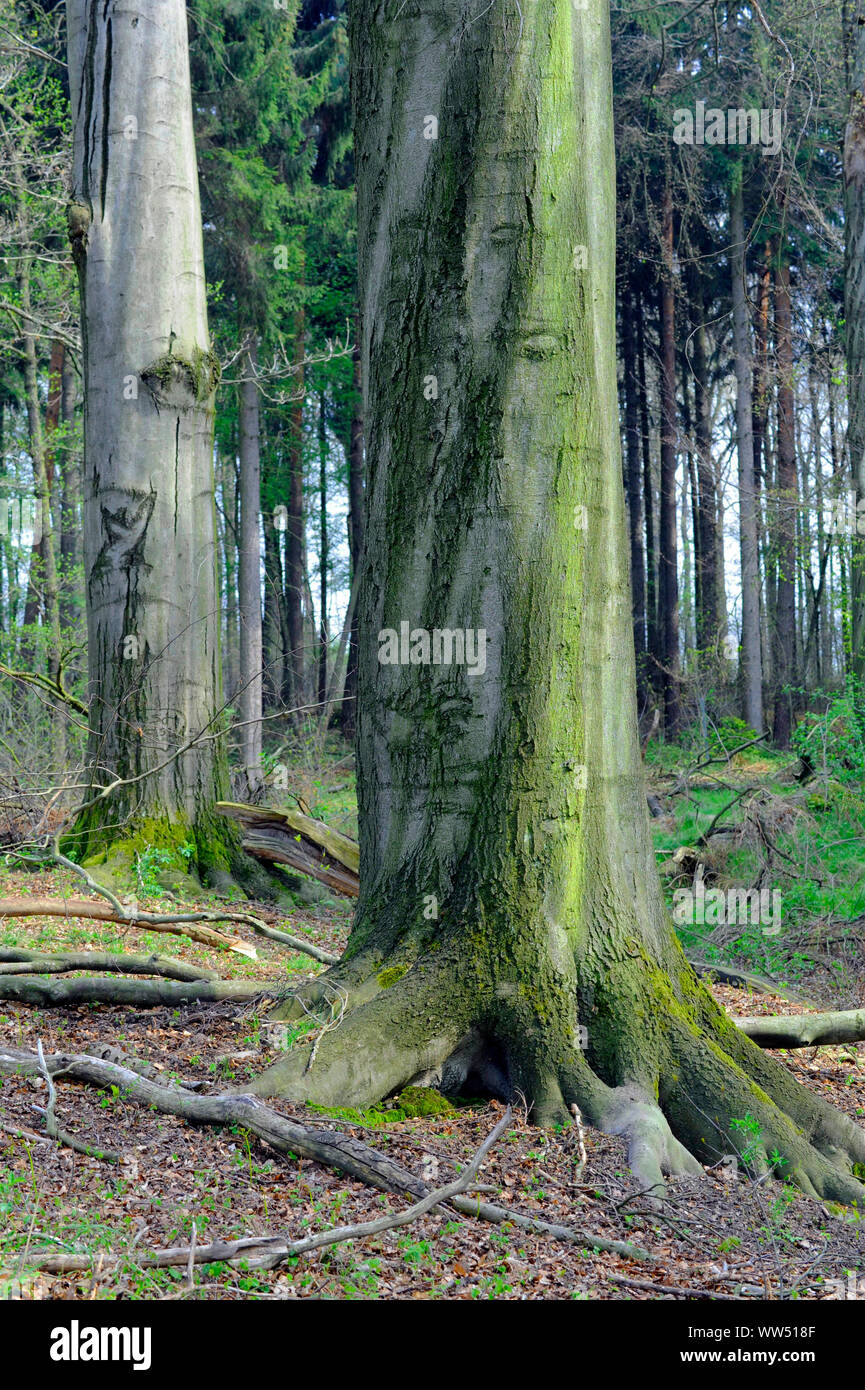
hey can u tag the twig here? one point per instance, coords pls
(670, 1288)
(25, 1133)
(51, 1125)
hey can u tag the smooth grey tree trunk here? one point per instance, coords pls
(787, 495)
(149, 380)
(854, 308)
(668, 572)
(249, 582)
(752, 673)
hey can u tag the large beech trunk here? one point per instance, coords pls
(149, 381)
(509, 895)
(854, 305)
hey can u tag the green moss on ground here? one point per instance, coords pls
(412, 1103)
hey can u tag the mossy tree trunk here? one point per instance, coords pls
(509, 895)
(149, 382)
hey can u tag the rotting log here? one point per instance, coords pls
(805, 1030)
(281, 835)
(16, 960)
(91, 989)
(176, 924)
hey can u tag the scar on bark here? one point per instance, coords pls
(125, 528)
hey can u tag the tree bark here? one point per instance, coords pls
(348, 710)
(15, 960)
(787, 498)
(653, 644)
(70, 504)
(230, 535)
(295, 534)
(509, 895)
(668, 571)
(149, 380)
(806, 1030)
(150, 994)
(750, 650)
(634, 487)
(274, 602)
(854, 312)
(249, 587)
(323, 553)
(704, 537)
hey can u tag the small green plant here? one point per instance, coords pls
(748, 1126)
(147, 864)
(731, 1243)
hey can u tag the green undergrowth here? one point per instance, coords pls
(813, 854)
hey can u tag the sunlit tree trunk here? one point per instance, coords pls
(149, 381)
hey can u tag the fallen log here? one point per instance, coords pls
(177, 924)
(90, 989)
(739, 978)
(15, 960)
(281, 835)
(805, 1030)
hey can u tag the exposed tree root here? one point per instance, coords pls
(52, 1126)
(805, 1030)
(666, 1070)
(336, 1150)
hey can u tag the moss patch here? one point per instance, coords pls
(389, 977)
(412, 1103)
(170, 378)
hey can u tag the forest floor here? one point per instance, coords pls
(720, 1236)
